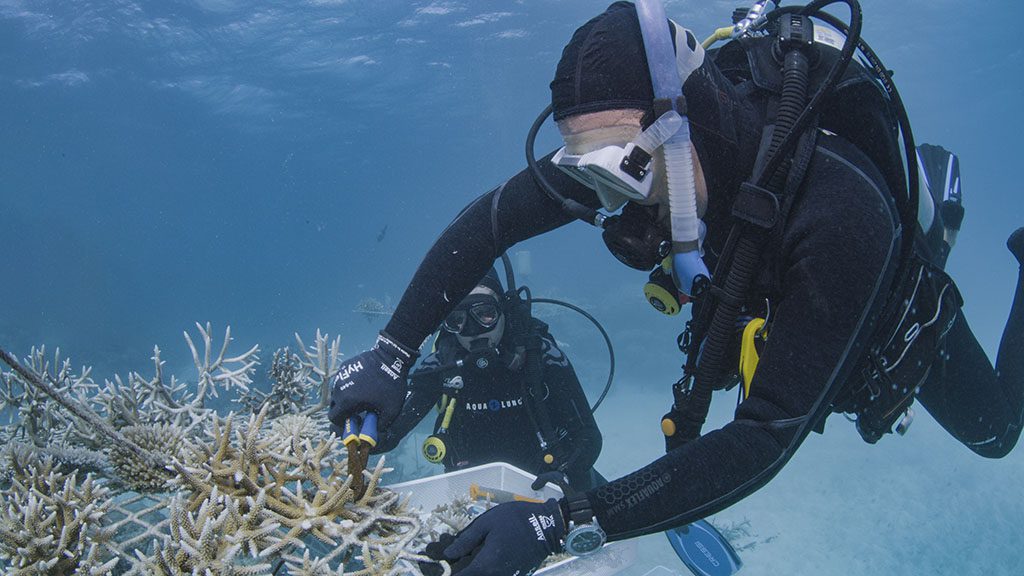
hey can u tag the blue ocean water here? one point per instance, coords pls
(270, 165)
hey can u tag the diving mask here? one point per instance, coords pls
(484, 312)
(620, 173)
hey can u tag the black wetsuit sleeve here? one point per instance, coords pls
(468, 247)
(571, 410)
(835, 270)
(423, 394)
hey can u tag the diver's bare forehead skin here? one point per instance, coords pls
(587, 132)
(603, 119)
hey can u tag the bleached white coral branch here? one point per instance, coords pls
(307, 566)
(290, 386)
(136, 399)
(39, 418)
(230, 372)
(249, 496)
(323, 358)
(80, 410)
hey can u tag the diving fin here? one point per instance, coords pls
(704, 550)
(942, 198)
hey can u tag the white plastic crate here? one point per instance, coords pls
(431, 492)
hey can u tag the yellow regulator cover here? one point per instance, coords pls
(660, 290)
(661, 298)
(434, 449)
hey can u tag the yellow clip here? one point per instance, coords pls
(447, 420)
(748, 352)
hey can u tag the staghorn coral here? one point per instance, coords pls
(453, 516)
(247, 495)
(304, 488)
(220, 372)
(307, 566)
(70, 457)
(323, 359)
(284, 429)
(741, 535)
(39, 419)
(50, 523)
(137, 399)
(92, 563)
(212, 540)
(18, 461)
(290, 388)
(165, 441)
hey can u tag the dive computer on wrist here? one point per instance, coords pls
(585, 535)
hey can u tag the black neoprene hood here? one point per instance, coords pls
(603, 67)
(490, 280)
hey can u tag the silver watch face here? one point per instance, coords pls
(584, 540)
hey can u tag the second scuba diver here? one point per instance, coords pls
(500, 383)
(787, 150)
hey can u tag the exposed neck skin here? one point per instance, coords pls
(588, 132)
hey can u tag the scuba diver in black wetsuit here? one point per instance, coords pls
(489, 410)
(766, 180)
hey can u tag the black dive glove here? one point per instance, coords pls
(511, 539)
(374, 381)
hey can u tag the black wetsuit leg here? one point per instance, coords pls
(980, 406)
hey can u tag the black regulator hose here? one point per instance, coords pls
(794, 115)
(510, 277)
(743, 265)
(604, 334)
(570, 206)
(835, 73)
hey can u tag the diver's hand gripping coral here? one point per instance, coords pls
(373, 381)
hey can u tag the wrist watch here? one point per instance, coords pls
(585, 536)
